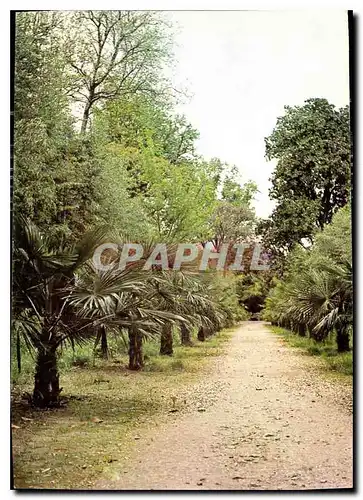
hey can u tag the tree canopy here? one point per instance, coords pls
(312, 178)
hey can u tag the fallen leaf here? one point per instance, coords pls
(13, 426)
(237, 477)
(27, 419)
(46, 470)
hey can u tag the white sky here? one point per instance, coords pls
(242, 67)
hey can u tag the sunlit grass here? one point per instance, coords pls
(338, 362)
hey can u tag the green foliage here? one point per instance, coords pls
(233, 219)
(55, 171)
(117, 206)
(312, 146)
(316, 292)
(180, 198)
(116, 53)
(154, 171)
(335, 242)
(133, 121)
(225, 291)
(252, 290)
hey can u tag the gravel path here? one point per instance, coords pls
(275, 424)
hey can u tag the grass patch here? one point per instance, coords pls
(107, 407)
(326, 350)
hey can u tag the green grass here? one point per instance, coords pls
(107, 405)
(338, 362)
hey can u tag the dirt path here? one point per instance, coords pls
(275, 425)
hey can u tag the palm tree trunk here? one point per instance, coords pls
(185, 335)
(209, 332)
(18, 351)
(104, 346)
(46, 384)
(201, 334)
(301, 329)
(285, 324)
(136, 358)
(166, 340)
(342, 339)
(298, 328)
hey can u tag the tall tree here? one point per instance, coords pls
(56, 172)
(116, 53)
(312, 179)
(179, 198)
(233, 220)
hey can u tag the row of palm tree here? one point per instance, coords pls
(315, 295)
(59, 296)
(319, 302)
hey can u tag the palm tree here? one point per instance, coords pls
(59, 296)
(185, 335)
(40, 309)
(340, 315)
(184, 293)
(120, 300)
(323, 300)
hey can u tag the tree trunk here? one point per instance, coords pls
(46, 386)
(85, 119)
(18, 351)
(207, 333)
(166, 341)
(104, 346)
(301, 329)
(136, 358)
(185, 335)
(86, 112)
(285, 324)
(201, 334)
(342, 340)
